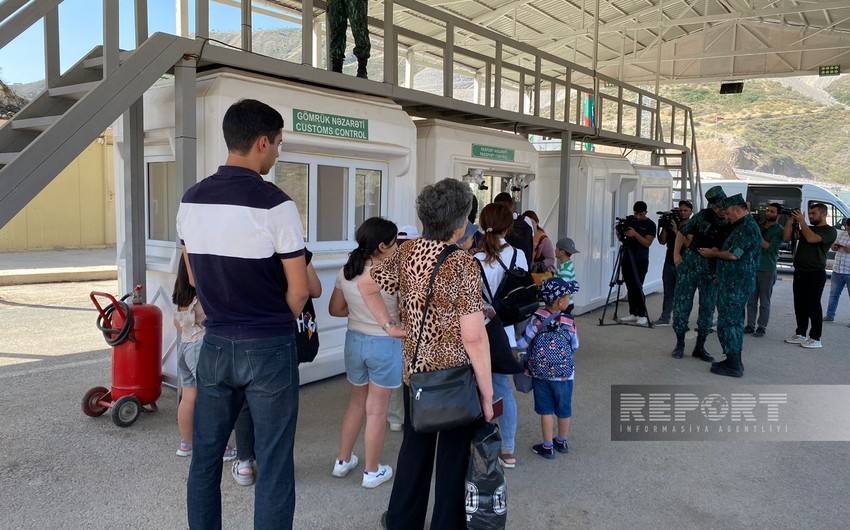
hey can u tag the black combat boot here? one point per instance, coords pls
(336, 65)
(699, 350)
(361, 68)
(731, 367)
(679, 350)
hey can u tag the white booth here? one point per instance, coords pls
(491, 161)
(602, 188)
(345, 158)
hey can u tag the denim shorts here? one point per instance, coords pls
(187, 362)
(371, 358)
(553, 397)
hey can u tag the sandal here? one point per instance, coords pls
(507, 460)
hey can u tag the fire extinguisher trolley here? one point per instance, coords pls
(135, 333)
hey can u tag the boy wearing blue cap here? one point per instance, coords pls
(551, 340)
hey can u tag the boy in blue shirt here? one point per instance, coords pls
(551, 339)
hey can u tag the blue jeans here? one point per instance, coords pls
(503, 388)
(265, 373)
(839, 283)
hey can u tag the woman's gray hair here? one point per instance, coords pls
(443, 208)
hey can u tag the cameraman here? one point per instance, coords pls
(668, 228)
(638, 235)
(809, 271)
(706, 229)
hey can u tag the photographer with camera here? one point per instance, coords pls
(668, 227)
(809, 271)
(737, 262)
(636, 232)
(759, 304)
(706, 229)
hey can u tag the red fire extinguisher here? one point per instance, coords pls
(135, 333)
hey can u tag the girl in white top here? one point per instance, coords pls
(495, 221)
(189, 321)
(372, 358)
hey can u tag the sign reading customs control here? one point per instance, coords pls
(493, 153)
(306, 121)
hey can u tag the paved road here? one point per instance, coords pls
(60, 469)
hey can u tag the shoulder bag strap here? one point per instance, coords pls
(440, 259)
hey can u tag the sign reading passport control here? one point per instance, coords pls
(306, 121)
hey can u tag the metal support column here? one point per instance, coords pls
(307, 32)
(134, 198)
(185, 126)
(51, 48)
(564, 183)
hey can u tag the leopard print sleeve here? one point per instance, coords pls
(386, 273)
(468, 299)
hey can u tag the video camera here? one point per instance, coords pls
(621, 225)
(669, 217)
(787, 211)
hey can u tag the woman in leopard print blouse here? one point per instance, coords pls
(453, 335)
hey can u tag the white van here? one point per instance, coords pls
(789, 195)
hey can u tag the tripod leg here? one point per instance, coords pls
(615, 280)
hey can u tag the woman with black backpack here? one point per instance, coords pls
(494, 253)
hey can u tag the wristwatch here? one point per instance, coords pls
(390, 323)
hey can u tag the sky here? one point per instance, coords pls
(80, 29)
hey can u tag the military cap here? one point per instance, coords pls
(734, 200)
(714, 196)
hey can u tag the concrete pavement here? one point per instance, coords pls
(59, 468)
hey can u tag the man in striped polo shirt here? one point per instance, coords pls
(241, 235)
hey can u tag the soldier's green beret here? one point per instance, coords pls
(715, 195)
(734, 200)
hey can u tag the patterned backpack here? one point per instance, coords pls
(550, 353)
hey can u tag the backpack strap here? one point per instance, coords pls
(440, 259)
(548, 320)
(486, 283)
(513, 261)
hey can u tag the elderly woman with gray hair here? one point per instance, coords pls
(453, 335)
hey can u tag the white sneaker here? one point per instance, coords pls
(812, 343)
(341, 468)
(237, 471)
(629, 318)
(373, 480)
(642, 321)
(395, 427)
(796, 339)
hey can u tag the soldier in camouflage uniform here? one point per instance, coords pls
(339, 14)
(737, 263)
(693, 271)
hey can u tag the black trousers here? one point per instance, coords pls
(808, 288)
(412, 482)
(637, 305)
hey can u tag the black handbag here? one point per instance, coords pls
(441, 399)
(503, 358)
(307, 334)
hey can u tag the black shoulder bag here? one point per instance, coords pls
(441, 400)
(503, 359)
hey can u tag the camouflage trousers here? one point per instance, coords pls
(731, 300)
(694, 273)
(339, 14)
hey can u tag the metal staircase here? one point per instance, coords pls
(685, 167)
(53, 129)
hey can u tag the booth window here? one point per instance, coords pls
(334, 196)
(162, 201)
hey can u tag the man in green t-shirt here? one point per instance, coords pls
(809, 271)
(759, 304)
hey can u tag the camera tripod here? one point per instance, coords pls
(618, 279)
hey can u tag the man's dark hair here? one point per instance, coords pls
(246, 121)
(821, 207)
(504, 198)
(639, 207)
(689, 204)
(473, 213)
(775, 205)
